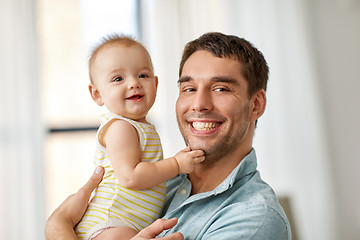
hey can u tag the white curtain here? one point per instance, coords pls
(21, 201)
(290, 140)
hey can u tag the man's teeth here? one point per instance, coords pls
(204, 125)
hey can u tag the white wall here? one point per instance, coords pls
(336, 37)
(21, 132)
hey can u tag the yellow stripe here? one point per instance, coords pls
(113, 178)
(131, 208)
(153, 190)
(152, 133)
(157, 157)
(151, 138)
(146, 194)
(140, 198)
(92, 221)
(96, 158)
(117, 213)
(114, 186)
(105, 213)
(140, 206)
(94, 216)
(127, 212)
(87, 223)
(102, 185)
(132, 220)
(151, 151)
(160, 186)
(150, 210)
(144, 127)
(86, 228)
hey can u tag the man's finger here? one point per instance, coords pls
(168, 223)
(174, 236)
(157, 227)
(92, 183)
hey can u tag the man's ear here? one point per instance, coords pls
(258, 105)
(95, 95)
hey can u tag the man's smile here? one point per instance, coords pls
(205, 126)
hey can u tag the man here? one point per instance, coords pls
(222, 94)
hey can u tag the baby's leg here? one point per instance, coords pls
(116, 233)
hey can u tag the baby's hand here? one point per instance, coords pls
(187, 159)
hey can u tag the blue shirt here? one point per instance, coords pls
(243, 206)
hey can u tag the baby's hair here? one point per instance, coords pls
(114, 38)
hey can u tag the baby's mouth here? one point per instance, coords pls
(135, 97)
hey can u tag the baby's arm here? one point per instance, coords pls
(122, 143)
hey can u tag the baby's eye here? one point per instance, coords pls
(143, 76)
(118, 79)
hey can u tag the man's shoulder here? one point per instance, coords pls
(257, 195)
(258, 220)
(254, 202)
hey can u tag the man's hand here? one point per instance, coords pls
(156, 228)
(61, 223)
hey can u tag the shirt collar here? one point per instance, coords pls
(246, 166)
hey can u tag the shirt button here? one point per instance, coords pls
(183, 192)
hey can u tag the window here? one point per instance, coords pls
(67, 31)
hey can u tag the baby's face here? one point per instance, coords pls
(124, 78)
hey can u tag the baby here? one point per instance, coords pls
(133, 190)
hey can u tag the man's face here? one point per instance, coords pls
(213, 108)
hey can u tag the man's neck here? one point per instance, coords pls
(206, 178)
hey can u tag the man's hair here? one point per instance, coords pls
(254, 66)
(122, 39)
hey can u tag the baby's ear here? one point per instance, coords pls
(95, 95)
(156, 81)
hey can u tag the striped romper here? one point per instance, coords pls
(115, 206)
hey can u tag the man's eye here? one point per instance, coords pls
(118, 79)
(221, 89)
(188, 89)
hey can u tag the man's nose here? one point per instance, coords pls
(133, 83)
(202, 101)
